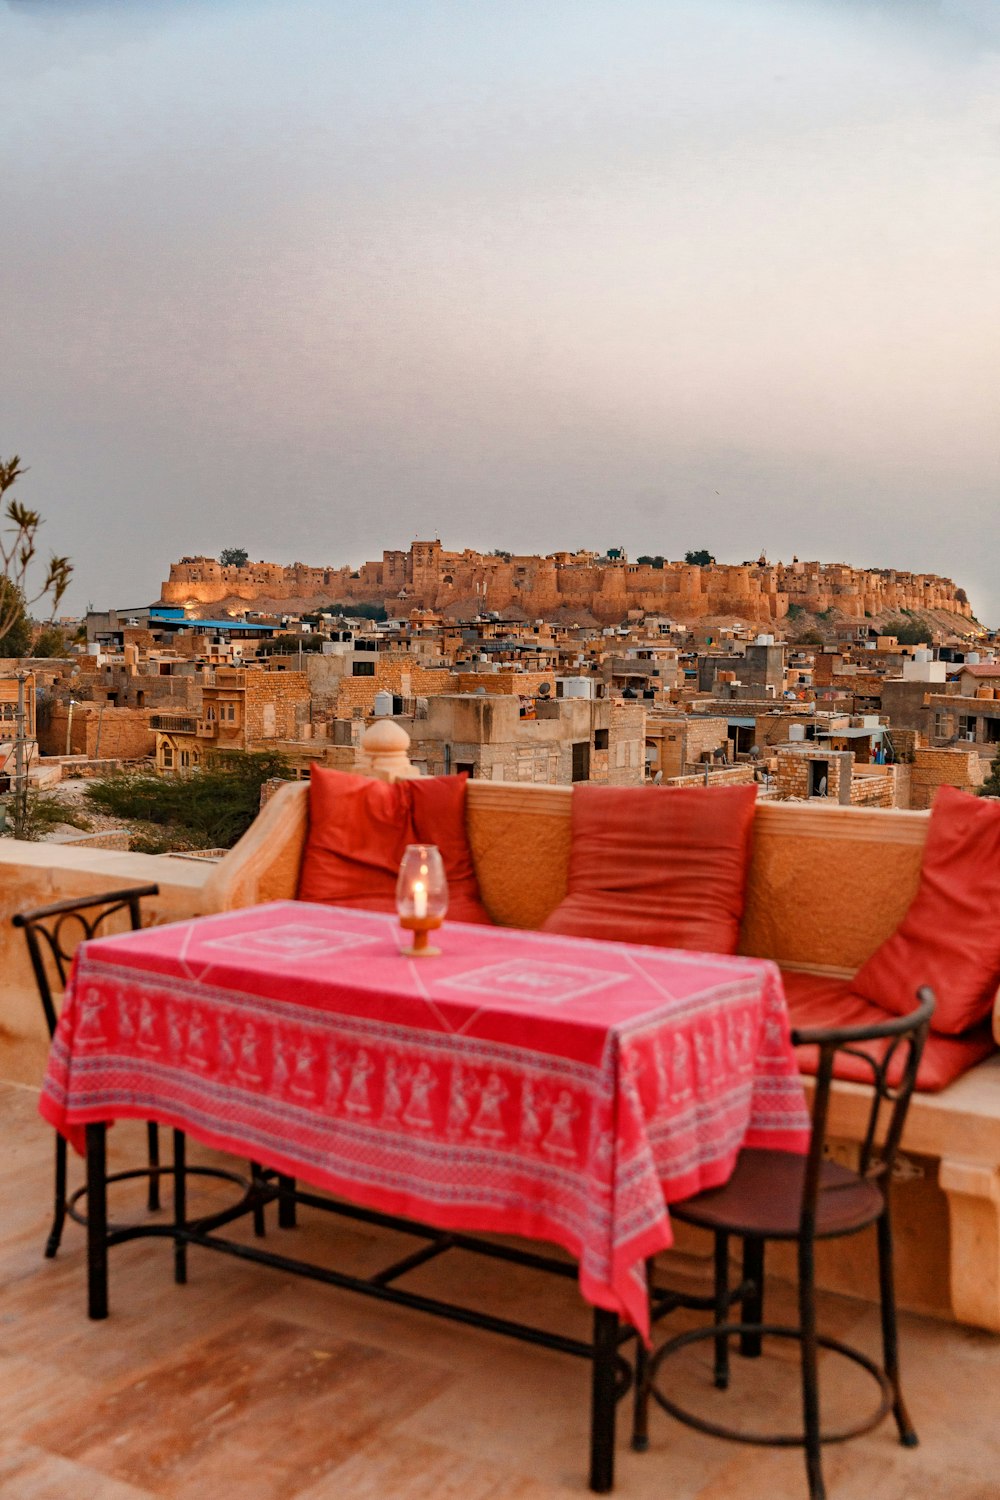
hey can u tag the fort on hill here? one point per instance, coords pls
(606, 587)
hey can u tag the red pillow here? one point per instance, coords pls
(950, 936)
(659, 865)
(360, 827)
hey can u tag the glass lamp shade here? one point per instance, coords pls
(422, 887)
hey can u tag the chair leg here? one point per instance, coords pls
(287, 1216)
(259, 1224)
(890, 1340)
(153, 1145)
(721, 1372)
(59, 1214)
(810, 1370)
(180, 1206)
(752, 1308)
(640, 1391)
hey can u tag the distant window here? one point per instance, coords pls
(168, 757)
(363, 669)
(600, 739)
(581, 761)
(466, 766)
(967, 726)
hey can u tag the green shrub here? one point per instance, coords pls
(210, 808)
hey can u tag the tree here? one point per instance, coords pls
(909, 632)
(16, 637)
(991, 786)
(234, 557)
(18, 547)
(700, 559)
(19, 526)
(51, 642)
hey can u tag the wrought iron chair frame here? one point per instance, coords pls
(876, 1162)
(53, 934)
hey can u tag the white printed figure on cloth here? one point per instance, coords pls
(533, 1101)
(488, 1124)
(126, 1018)
(334, 1082)
(418, 1110)
(248, 1066)
(559, 1140)
(392, 1090)
(175, 1032)
(147, 1027)
(304, 1070)
(197, 1031)
(279, 1062)
(681, 1089)
(227, 1057)
(357, 1101)
(662, 1075)
(90, 1027)
(459, 1106)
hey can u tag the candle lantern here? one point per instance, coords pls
(421, 895)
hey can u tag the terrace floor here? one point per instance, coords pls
(254, 1384)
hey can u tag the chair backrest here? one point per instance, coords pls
(54, 932)
(894, 1076)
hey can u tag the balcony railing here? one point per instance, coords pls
(174, 723)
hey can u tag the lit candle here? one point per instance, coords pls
(419, 900)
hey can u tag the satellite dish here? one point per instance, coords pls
(658, 778)
(544, 689)
(822, 786)
(755, 751)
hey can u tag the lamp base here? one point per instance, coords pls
(420, 927)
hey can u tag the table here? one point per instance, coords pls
(523, 1084)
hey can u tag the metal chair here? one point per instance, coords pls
(53, 934)
(774, 1195)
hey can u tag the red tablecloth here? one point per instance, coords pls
(552, 1087)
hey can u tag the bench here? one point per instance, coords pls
(827, 885)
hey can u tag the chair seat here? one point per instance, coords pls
(764, 1198)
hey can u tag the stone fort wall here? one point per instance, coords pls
(429, 577)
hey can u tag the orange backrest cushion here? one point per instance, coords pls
(659, 865)
(950, 936)
(360, 827)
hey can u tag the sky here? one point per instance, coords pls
(318, 277)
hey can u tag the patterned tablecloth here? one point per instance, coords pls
(551, 1087)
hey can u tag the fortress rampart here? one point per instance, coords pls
(428, 577)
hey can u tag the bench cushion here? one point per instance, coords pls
(950, 935)
(817, 1000)
(360, 827)
(659, 865)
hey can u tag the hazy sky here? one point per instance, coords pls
(316, 277)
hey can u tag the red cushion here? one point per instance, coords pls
(816, 1000)
(360, 827)
(659, 865)
(950, 936)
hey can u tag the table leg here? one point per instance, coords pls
(97, 1222)
(604, 1400)
(286, 1203)
(180, 1206)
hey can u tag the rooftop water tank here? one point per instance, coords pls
(383, 705)
(796, 732)
(972, 659)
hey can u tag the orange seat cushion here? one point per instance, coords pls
(950, 936)
(359, 829)
(816, 1000)
(659, 865)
